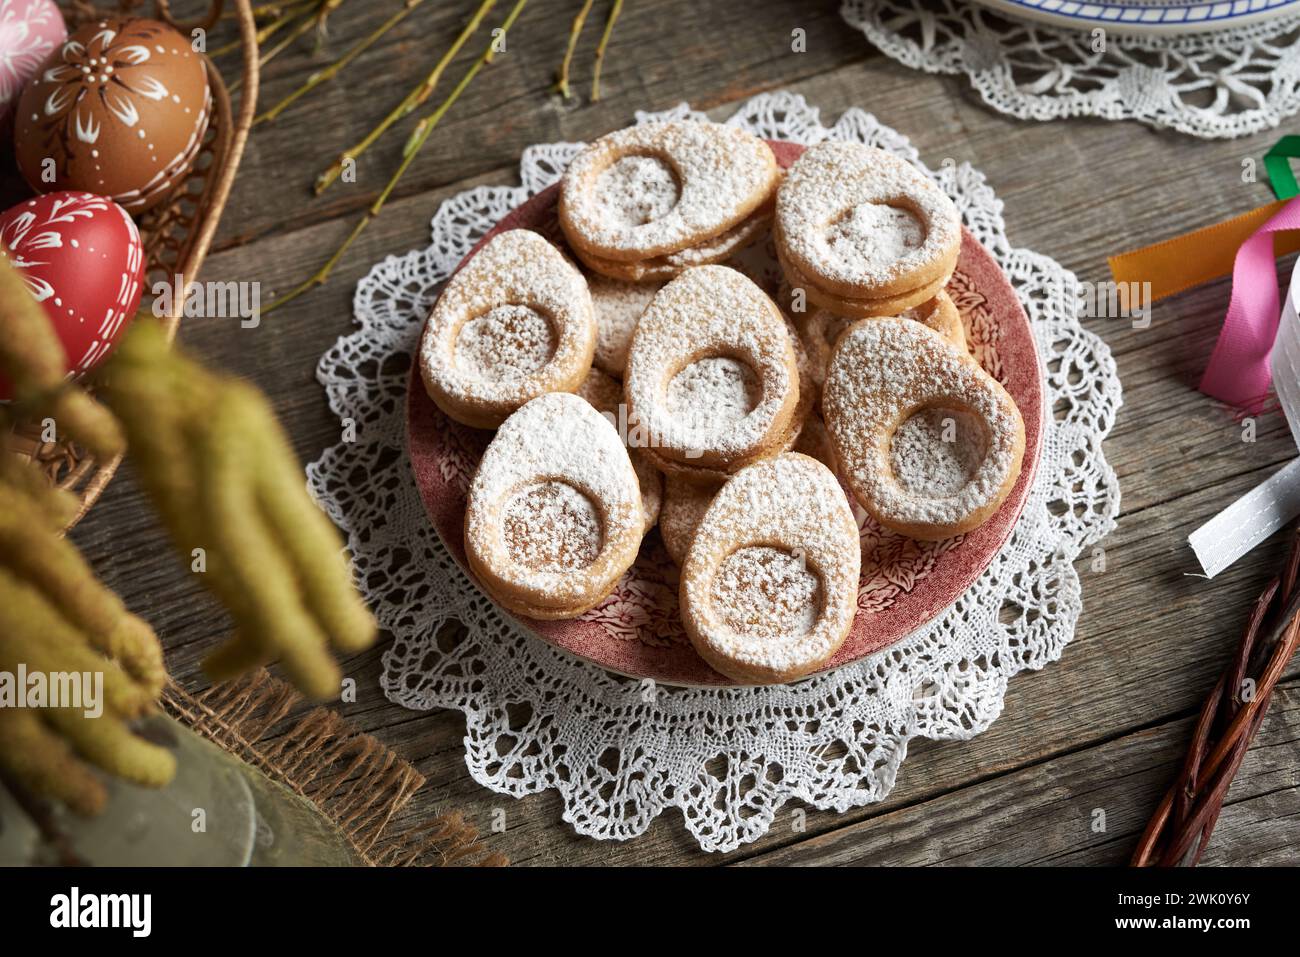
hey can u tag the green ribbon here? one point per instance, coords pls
(1277, 162)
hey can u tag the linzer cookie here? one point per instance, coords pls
(648, 201)
(606, 397)
(554, 515)
(711, 376)
(929, 443)
(514, 323)
(770, 584)
(863, 232)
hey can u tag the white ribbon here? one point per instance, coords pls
(1267, 507)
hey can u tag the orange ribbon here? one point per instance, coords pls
(1197, 257)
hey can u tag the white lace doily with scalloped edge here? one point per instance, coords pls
(619, 752)
(1221, 84)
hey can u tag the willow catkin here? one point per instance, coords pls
(32, 358)
(306, 535)
(269, 606)
(34, 633)
(112, 746)
(57, 570)
(220, 471)
(37, 758)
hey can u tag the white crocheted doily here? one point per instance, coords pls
(620, 752)
(1225, 83)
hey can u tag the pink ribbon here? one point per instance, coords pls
(1239, 372)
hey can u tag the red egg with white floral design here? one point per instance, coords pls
(81, 258)
(119, 109)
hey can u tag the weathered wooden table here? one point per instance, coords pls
(1104, 727)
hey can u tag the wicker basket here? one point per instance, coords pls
(176, 233)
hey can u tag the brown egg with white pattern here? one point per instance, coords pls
(119, 109)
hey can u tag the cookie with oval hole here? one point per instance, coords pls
(861, 223)
(929, 443)
(649, 201)
(769, 587)
(515, 322)
(554, 515)
(712, 380)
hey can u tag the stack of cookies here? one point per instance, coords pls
(652, 383)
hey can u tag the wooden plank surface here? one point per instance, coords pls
(1103, 728)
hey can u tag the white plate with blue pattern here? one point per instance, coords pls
(1147, 16)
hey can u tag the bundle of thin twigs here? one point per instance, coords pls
(1180, 829)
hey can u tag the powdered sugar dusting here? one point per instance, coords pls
(635, 190)
(770, 582)
(516, 301)
(551, 526)
(721, 388)
(873, 237)
(505, 343)
(711, 312)
(767, 593)
(855, 214)
(936, 452)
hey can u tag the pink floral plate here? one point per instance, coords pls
(905, 584)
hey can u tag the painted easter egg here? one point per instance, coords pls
(30, 30)
(81, 258)
(119, 109)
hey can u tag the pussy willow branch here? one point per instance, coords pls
(284, 15)
(414, 99)
(614, 11)
(333, 70)
(1189, 810)
(418, 138)
(575, 30)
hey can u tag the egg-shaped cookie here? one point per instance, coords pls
(770, 584)
(657, 188)
(858, 222)
(711, 375)
(515, 322)
(554, 515)
(929, 442)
